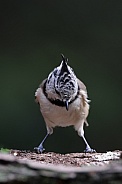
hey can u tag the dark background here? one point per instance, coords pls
(33, 34)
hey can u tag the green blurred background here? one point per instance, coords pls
(33, 34)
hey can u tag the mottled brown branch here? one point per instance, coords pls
(14, 169)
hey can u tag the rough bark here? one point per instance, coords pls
(14, 169)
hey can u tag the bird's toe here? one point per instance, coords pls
(89, 150)
(39, 149)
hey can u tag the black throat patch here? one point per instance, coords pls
(57, 101)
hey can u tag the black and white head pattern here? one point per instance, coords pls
(62, 82)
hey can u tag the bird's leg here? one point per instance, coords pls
(40, 148)
(88, 148)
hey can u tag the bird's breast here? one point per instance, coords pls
(59, 116)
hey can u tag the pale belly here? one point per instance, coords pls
(59, 116)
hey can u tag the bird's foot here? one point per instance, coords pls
(89, 150)
(39, 149)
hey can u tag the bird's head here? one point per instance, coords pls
(62, 83)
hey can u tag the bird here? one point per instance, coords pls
(63, 101)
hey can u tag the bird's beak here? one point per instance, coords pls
(67, 105)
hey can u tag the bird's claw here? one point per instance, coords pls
(89, 150)
(39, 149)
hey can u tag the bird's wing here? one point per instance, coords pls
(83, 93)
(41, 87)
(82, 85)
